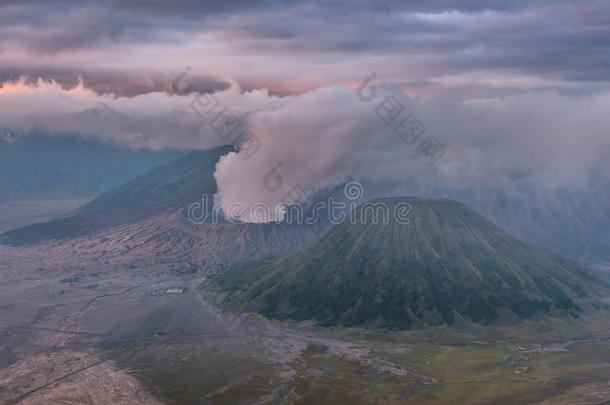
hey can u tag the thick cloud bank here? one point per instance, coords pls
(157, 120)
(331, 134)
(321, 138)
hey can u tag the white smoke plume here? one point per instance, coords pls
(326, 136)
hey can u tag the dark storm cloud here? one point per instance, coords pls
(564, 40)
(51, 28)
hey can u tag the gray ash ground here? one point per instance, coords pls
(116, 318)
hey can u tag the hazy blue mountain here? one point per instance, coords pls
(447, 262)
(171, 186)
(40, 167)
(572, 222)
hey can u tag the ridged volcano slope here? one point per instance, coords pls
(447, 260)
(171, 186)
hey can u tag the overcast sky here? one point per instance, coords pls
(292, 47)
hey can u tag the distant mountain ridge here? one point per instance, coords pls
(448, 263)
(169, 187)
(43, 167)
(569, 222)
